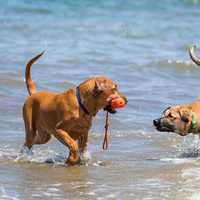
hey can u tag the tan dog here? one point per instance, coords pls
(181, 119)
(67, 115)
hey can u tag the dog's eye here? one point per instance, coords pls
(170, 115)
(184, 119)
(97, 93)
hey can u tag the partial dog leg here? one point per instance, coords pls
(83, 149)
(27, 147)
(42, 137)
(29, 129)
(65, 139)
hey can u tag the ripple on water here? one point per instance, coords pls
(184, 64)
(5, 195)
(189, 181)
(178, 160)
(47, 156)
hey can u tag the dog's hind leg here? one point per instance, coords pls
(42, 137)
(29, 128)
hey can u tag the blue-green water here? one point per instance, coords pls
(142, 45)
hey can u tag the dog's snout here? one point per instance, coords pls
(125, 99)
(156, 122)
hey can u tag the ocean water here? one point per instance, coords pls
(142, 46)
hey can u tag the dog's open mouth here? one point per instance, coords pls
(165, 128)
(110, 109)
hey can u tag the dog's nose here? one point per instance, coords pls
(125, 99)
(156, 122)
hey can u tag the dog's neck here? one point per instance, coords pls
(195, 122)
(88, 101)
(196, 130)
(193, 125)
(78, 96)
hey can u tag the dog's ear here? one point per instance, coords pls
(99, 86)
(166, 109)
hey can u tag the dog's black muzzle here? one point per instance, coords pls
(156, 122)
(109, 109)
(163, 126)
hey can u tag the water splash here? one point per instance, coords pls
(191, 149)
(47, 156)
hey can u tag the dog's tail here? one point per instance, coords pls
(193, 56)
(31, 87)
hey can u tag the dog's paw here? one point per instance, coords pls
(85, 157)
(25, 150)
(73, 161)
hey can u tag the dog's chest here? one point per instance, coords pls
(78, 127)
(82, 126)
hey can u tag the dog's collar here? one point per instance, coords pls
(193, 123)
(78, 96)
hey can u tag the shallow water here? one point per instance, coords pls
(139, 44)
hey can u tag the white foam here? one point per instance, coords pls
(55, 184)
(4, 195)
(48, 194)
(85, 157)
(90, 183)
(26, 150)
(109, 196)
(91, 193)
(53, 189)
(190, 182)
(99, 163)
(178, 160)
(36, 156)
(195, 196)
(193, 173)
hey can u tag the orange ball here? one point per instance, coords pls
(118, 103)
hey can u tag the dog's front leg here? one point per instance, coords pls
(83, 148)
(65, 139)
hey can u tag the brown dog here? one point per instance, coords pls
(67, 115)
(181, 119)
